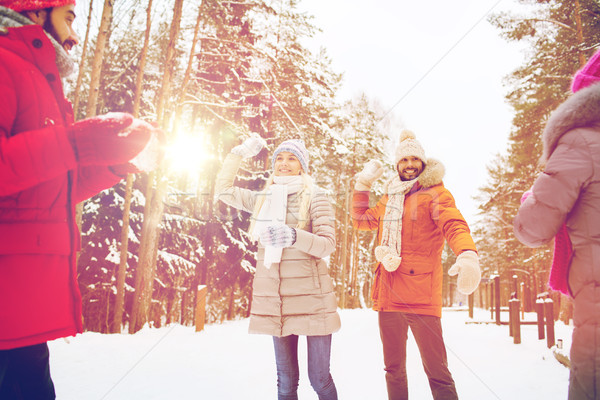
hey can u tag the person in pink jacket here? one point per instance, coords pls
(48, 164)
(563, 205)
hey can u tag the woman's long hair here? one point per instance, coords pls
(305, 200)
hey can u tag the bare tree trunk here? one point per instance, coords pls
(153, 213)
(344, 264)
(355, 285)
(120, 289)
(579, 30)
(82, 62)
(101, 41)
(188, 71)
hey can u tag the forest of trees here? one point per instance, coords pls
(212, 72)
(559, 36)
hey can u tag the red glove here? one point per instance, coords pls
(100, 140)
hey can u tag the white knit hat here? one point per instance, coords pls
(409, 146)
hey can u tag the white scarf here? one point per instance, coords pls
(274, 210)
(388, 253)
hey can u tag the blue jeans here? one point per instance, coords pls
(25, 373)
(427, 331)
(288, 374)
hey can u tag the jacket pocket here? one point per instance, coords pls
(410, 287)
(35, 238)
(315, 273)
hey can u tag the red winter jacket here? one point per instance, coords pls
(40, 183)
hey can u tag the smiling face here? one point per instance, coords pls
(59, 24)
(286, 164)
(409, 168)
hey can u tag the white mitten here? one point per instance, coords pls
(370, 173)
(250, 147)
(278, 235)
(467, 268)
(391, 262)
(385, 256)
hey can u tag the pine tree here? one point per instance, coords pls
(560, 35)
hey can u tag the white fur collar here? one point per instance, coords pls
(432, 174)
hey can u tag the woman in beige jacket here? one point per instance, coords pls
(292, 290)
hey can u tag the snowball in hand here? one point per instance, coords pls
(148, 158)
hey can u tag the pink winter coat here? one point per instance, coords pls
(40, 183)
(568, 193)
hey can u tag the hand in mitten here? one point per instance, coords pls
(370, 173)
(102, 141)
(278, 235)
(150, 157)
(250, 147)
(526, 195)
(467, 268)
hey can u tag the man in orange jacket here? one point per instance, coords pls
(412, 220)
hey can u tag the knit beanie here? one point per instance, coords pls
(28, 5)
(297, 148)
(589, 74)
(409, 146)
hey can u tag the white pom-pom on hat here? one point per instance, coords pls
(407, 134)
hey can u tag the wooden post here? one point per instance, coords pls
(524, 299)
(490, 286)
(539, 309)
(515, 322)
(471, 301)
(497, 298)
(515, 286)
(549, 311)
(200, 307)
(510, 317)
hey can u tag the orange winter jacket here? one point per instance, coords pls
(430, 216)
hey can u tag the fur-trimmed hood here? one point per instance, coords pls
(432, 174)
(580, 110)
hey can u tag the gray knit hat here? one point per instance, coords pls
(297, 148)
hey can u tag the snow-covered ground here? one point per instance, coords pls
(224, 362)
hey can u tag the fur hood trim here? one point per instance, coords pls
(432, 174)
(579, 110)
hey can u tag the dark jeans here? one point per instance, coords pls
(427, 331)
(25, 373)
(288, 374)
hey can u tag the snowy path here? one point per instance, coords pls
(224, 362)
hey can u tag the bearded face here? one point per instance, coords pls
(59, 24)
(409, 168)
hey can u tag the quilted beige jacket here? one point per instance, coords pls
(295, 296)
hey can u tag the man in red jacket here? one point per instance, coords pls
(47, 165)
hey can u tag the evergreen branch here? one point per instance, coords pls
(552, 21)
